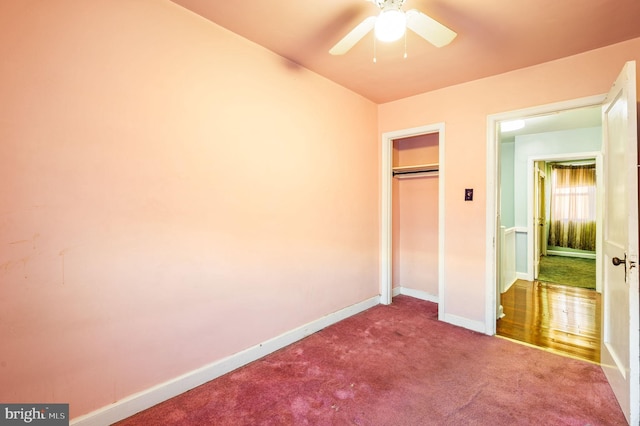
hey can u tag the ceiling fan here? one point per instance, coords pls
(391, 24)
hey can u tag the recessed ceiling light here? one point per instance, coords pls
(509, 126)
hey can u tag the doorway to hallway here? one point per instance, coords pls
(535, 212)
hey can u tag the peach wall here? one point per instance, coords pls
(464, 109)
(170, 194)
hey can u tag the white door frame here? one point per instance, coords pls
(539, 220)
(386, 176)
(493, 186)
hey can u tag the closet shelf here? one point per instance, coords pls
(416, 170)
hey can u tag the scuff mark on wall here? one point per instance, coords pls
(31, 240)
(10, 265)
(19, 241)
(62, 254)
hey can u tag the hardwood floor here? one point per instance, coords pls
(563, 319)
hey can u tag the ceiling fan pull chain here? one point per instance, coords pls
(374, 50)
(405, 45)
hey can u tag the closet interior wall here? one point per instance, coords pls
(415, 217)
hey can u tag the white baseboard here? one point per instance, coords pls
(508, 286)
(417, 294)
(449, 318)
(148, 398)
(571, 254)
(478, 326)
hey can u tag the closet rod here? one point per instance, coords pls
(410, 175)
(421, 169)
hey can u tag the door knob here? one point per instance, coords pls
(617, 261)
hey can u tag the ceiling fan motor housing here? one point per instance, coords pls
(389, 4)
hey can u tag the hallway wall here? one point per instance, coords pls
(536, 145)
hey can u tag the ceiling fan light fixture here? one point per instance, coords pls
(391, 25)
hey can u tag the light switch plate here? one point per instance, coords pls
(468, 194)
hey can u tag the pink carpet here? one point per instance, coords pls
(397, 365)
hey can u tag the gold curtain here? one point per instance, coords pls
(573, 206)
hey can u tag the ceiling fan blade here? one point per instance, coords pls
(429, 29)
(354, 36)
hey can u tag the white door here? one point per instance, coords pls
(620, 337)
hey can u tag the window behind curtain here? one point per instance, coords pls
(573, 206)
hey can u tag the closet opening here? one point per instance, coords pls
(415, 216)
(412, 215)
